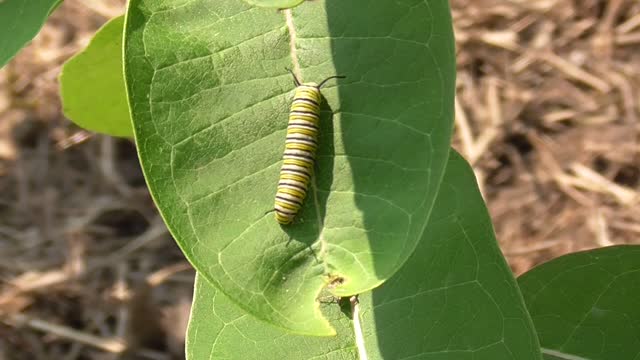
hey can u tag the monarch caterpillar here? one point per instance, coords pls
(300, 149)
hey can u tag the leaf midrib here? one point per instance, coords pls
(297, 71)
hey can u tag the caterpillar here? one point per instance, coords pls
(300, 149)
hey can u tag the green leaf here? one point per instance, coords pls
(20, 21)
(455, 298)
(210, 96)
(279, 4)
(92, 84)
(219, 329)
(585, 305)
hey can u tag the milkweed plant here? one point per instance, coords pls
(379, 245)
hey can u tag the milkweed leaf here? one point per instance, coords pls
(454, 299)
(20, 21)
(92, 84)
(585, 305)
(209, 96)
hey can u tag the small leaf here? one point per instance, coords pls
(92, 84)
(20, 21)
(585, 305)
(210, 98)
(279, 4)
(219, 329)
(455, 298)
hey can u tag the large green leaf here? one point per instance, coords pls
(209, 95)
(20, 21)
(92, 84)
(586, 305)
(455, 298)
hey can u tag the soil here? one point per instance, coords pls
(547, 114)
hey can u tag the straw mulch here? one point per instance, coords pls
(547, 112)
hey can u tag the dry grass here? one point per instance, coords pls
(85, 259)
(547, 112)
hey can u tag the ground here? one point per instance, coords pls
(547, 113)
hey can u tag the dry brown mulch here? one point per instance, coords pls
(87, 267)
(547, 112)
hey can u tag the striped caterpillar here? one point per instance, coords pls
(300, 149)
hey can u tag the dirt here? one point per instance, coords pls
(547, 113)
